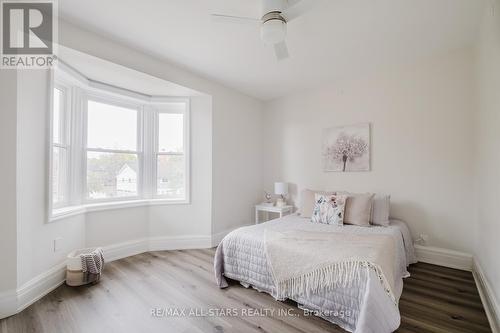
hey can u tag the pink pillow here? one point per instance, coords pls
(381, 209)
(358, 209)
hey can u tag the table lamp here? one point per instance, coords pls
(281, 189)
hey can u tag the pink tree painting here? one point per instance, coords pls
(346, 148)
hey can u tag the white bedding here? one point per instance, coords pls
(363, 307)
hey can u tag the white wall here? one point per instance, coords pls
(422, 142)
(487, 247)
(236, 119)
(224, 133)
(108, 227)
(35, 236)
(237, 161)
(8, 264)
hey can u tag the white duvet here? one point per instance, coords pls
(362, 307)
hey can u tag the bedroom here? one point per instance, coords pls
(175, 137)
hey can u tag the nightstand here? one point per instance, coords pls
(272, 209)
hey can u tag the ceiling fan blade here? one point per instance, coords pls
(297, 8)
(281, 51)
(234, 19)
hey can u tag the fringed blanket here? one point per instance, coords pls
(304, 262)
(92, 262)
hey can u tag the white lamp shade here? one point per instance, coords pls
(281, 188)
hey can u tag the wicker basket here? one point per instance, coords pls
(74, 273)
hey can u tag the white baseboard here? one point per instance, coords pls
(131, 248)
(40, 285)
(125, 249)
(14, 301)
(488, 297)
(444, 257)
(465, 261)
(179, 243)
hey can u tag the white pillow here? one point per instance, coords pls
(329, 209)
(380, 210)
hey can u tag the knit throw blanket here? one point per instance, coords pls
(303, 262)
(92, 262)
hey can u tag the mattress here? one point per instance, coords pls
(364, 306)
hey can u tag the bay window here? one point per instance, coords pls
(124, 149)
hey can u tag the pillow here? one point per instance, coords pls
(307, 202)
(358, 209)
(380, 210)
(329, 209)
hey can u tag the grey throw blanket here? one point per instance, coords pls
(92, 262)
(303, 261)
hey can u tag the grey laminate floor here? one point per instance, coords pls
(435, 299)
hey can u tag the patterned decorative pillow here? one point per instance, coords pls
(307, 201)
(329, 209)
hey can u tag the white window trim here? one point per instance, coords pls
(64, 123)
(102, 98)
(79, 90)
(185, 153)
(69, 211)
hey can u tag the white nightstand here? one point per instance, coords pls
(272, 209)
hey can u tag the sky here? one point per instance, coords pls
(113, 127)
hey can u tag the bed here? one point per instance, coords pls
(364, 305)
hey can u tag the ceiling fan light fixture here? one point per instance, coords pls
(273, 31)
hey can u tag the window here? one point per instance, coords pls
(60, 147)
(170, 160)
(120, 148)
(112, 151)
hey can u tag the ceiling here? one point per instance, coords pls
(115, 75)
(335, 40)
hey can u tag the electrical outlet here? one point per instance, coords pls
(57, 244)
(422, 239)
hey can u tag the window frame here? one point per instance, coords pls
(78, 90)
(65, 119)
(186, 149)
(104, 99)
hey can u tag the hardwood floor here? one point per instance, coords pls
(435, 299)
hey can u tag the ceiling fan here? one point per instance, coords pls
(275, 16)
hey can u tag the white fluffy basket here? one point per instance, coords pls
(74, 273)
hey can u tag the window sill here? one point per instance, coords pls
(66, 212)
